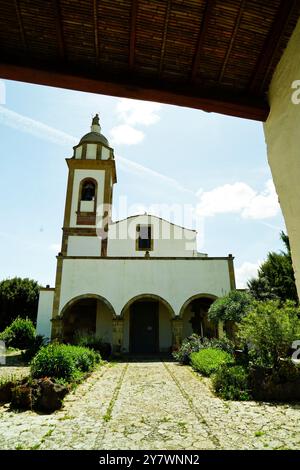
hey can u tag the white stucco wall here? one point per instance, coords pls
(282, 133)
(104, 322)
(91, 151)
(175, 280)
(43, 325)
(105, 154)
(84, 246)
(168, 239)
(79, 175)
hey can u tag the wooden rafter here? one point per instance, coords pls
(246, 106)
(271, 44)
(201, 37)
(96, 37)
(59, 29)
(132, 40)
(164, 40)
(20, 23)
(234, 33)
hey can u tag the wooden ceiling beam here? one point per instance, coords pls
(20, 23)
(209, 6)
(233, 36)
(271, 44)
(96, 37)
(244, 106)
(164, 40)
(132, 39)
(59, 29)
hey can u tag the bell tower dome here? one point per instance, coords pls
(92, 174)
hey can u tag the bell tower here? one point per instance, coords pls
(92, 174)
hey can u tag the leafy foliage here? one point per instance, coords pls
(207, 361)
(20, 334)
(18, 297)
(194, 343)
(63, 361)
(269, 331)
(232, 383)
(94, 342)
(276, 280)
(233, 306)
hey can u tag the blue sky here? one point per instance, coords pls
(214, 165)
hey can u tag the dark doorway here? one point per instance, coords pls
(80, 319)
(144, 327)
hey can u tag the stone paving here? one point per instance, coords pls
(151, 405)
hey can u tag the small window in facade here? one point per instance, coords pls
(88, 191)
(144, 238)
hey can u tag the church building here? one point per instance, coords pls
(139, 283)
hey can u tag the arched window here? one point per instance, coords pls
(88, 191)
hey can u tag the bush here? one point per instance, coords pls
(20, 334)
(232, 383)
(269, 331)
(207, 361)
(63, 361)
(195, 343)
(191, 344)
(94, 342)
(232, 307)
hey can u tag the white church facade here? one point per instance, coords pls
(138, 283)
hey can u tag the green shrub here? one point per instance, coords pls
(195, 343)
(94, 342)
(207, 361)
(63, 361)
(20, 334)
(191, 344)
(232, 307)
(232, 383)
(269, 331)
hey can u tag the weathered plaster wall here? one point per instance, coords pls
(282, 133)
(43, 326)
(84, 246)
(168, 239)
(104, 322)
(119, 280)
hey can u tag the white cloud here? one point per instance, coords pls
(125, 134)
(134, 112)
(55, 247)
(36, 128)
(239, 198)
(246, 272)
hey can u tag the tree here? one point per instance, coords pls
(18, 298)
(232, 307)
(269, 330)
(276, 280)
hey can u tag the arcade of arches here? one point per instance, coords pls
(147, 323)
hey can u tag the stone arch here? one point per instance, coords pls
(145, 297)
(147, 320)
(87, 296)
(194, 297)
(193, 314)
(88, 314)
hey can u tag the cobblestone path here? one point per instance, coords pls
(151, 405)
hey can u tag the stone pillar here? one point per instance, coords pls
(283, 141)
(57, 329)
(177, 333)
(117, 334)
